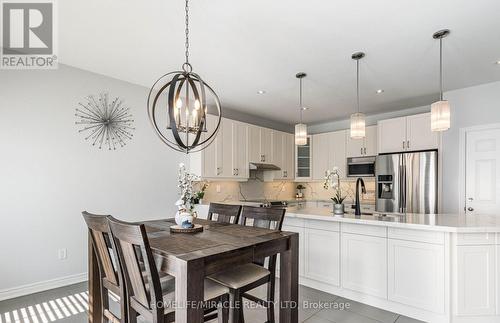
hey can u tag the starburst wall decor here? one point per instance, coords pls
(104, 122)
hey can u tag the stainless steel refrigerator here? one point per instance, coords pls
(407, 182)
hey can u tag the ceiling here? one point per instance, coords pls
(241, 47)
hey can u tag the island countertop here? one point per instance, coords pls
(431, 222)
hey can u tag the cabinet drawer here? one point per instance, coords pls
(294, 222)
(416, 235)
(467, 239)
(323, 225)
(368, 230)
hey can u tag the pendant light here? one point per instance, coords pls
(301, 128)
(357, 119)
(178, 104)
(440, 110)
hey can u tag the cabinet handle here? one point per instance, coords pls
(470, 209)
(365, 150)
(218, 170)
(403, 144)
(361, 150)
(408, 144)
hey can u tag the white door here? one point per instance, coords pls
(371, 141)
(416, 274)
(254, 154)
(392, 135)
(240, 142)
(209, 159)
(322, 256)
(364, 264)
(224, 146)
(418, 133)
(482, 179)
(320, 155)
(476, 280)
(337, 149)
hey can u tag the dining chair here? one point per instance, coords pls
(244, 278)
(146, 295)
(109, 273)
(225, 213)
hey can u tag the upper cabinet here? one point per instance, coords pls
(283, 155)
(303, 161)
(329, 150)
(362, 147)
(260, 144)
(407, 134)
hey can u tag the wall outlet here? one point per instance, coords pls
(62, 254)
(217, 188)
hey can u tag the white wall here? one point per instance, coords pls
(478, 105)
(49, 174)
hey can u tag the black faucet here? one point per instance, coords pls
(363, 190)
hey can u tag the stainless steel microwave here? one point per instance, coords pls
(361, 166)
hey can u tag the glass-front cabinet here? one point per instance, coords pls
(303, 161)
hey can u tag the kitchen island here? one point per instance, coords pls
(435, 268)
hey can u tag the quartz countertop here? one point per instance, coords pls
(431, 222)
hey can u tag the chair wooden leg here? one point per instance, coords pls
(235, 306)
(270, 301)
(223, 310)
(242, 310)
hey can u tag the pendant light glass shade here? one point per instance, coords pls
(358, 125)
(440, 116)
(300, 134)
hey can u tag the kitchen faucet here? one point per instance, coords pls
(363, 190)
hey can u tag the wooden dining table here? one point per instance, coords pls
(190, 257)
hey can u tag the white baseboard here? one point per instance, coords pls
(41, 286)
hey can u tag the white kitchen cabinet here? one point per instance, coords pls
(409, 133)
(416, 274)
(329, 150)
(418, 133)
(362, 147)
(476, 280)
(303, 161)
(283, 155)
(226, 157)
(322, 256)
(260, 144)
(364, 264)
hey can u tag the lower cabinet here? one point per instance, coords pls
(476, 283)
(322, 256)
(416, 274)
(364, 264)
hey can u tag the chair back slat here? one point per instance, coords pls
(99, 233)
(267, 218)
(133, 249)
(225, 213)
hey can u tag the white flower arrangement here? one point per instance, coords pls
(332, 180)
(185, 184)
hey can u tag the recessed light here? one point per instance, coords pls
(380, 91)
(261, 92)
(497, 62)
(304, 108)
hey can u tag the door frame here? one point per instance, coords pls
(463, 161)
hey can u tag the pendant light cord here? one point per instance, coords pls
(186, 66)
(300, 99)
(357, 82)
(441, 69)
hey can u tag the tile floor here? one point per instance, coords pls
(69, 304)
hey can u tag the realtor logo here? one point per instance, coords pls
(28, 35)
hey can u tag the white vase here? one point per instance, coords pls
(182, 216)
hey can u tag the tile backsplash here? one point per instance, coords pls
(255, 189)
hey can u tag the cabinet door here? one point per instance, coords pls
(364, 264)
(300, 231)
(224, 147)
(278, 147)
(320, 155)
(266, 144)
(289, 156)
(240, 142)
(418, 133)
(254, 154)
(392, 135)
(416, 274)
(337, 151)
(354, 147)
(303, 163)
(476, 280)
(370, 148)
(322, 256)
(209, 154)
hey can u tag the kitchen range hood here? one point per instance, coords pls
(263, 167)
